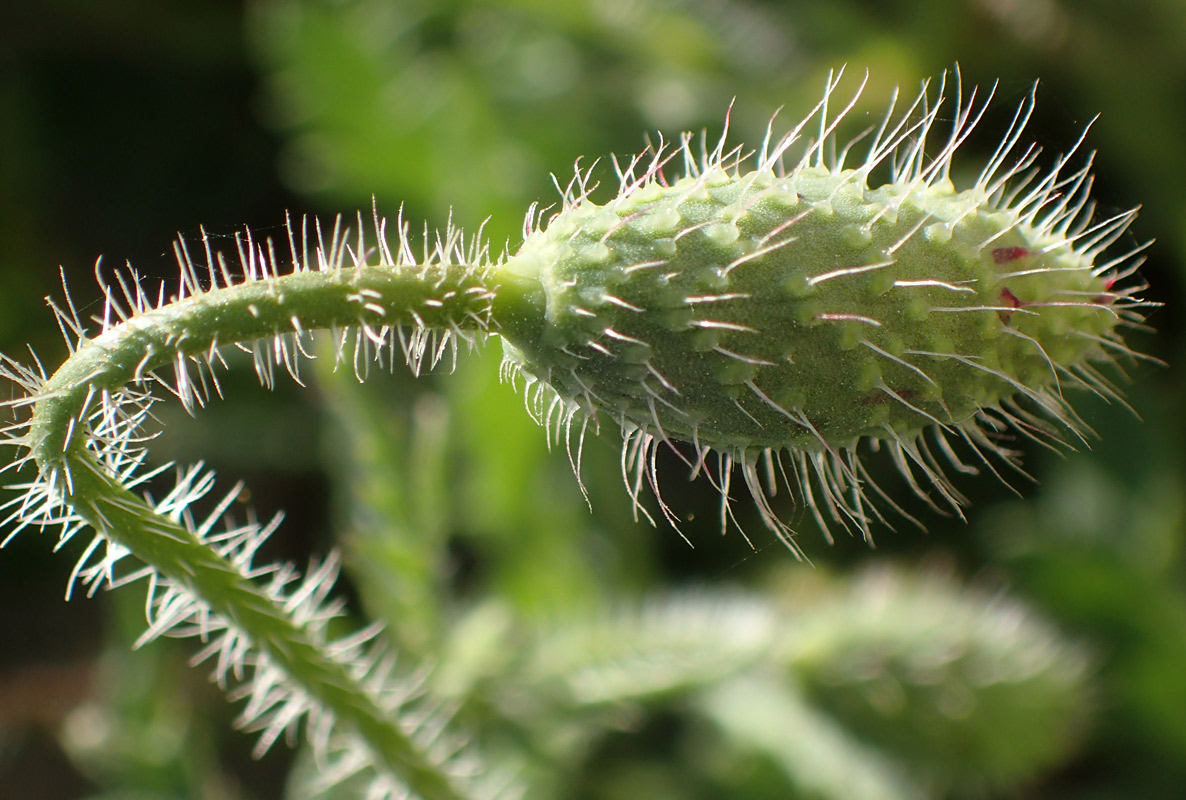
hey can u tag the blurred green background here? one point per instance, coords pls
(125, 122)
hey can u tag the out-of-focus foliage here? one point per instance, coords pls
(611, 659)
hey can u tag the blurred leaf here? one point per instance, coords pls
(818, 757)
(667, 644)
(966, 687)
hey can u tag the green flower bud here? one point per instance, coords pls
(788, 314)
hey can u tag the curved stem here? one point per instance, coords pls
(444, 297)
(79, 481)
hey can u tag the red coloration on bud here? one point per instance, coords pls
(1009, 298)
(1003, 255)
(1106, 299)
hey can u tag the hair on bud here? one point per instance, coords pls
(783, 316)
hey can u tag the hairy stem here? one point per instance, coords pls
(447, 297)
(175, 552)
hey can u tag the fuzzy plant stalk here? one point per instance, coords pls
(770, 317)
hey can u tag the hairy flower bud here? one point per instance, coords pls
(771, 311)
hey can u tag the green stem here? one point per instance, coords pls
(175, 552)
(431, 297)
(446, 297)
